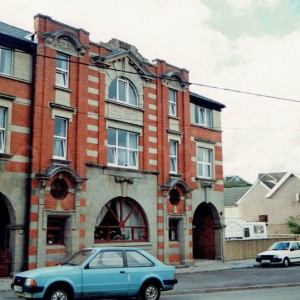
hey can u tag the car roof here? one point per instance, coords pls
(112, 248)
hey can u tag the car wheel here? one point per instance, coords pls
(150, 291)
(59, 293)
(286, 262)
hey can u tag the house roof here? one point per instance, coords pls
(270, 176)
(235, 178)
(253, 187)
(281, 182)
(232, 195)
(206, 102)
(14, 32)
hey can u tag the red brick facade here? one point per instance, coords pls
(165, 197)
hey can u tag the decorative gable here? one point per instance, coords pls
(121, 51)
(65, 42)
(175, 80)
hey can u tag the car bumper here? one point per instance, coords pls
(27, 292)
(273, 260)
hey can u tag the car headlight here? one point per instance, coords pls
(30, 282)
(257, 256)
(276, 256)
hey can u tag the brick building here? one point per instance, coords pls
(121, 153)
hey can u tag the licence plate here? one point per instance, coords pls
(265, 261)
(18, 288)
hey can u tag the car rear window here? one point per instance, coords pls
(136, 259)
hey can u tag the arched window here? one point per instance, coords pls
(122, 90)
(121, 219)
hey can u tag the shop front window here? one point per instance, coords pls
(121, 219)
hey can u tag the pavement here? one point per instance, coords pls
(201, 265)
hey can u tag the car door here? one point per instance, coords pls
(138, 268)
(105, 275)
(294, 252)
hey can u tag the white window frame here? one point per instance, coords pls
(62, 72)
(115, 150)
(128, 87)
(205, 165)
(173, 157)
(61, 139)
(206, 119)
(172, 95)
(2, 63)
(3, 130)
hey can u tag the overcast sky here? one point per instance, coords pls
(250, 46)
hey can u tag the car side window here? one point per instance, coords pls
(107, 259)
(136, 259)
(295, 246)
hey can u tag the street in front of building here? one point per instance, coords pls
(240, 283)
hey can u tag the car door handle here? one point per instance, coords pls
(122, 272)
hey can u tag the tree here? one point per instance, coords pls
(294, 225)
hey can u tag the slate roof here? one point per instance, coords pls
(232, 195)
(198, 99)
(14, 32)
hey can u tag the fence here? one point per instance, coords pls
(5, 263)
(246, 249)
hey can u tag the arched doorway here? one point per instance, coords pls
(4, 222)
(204, 223)
(5, 254)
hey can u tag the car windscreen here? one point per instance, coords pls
(78, 258)
(280, 246)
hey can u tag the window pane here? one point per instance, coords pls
(111, 259)
(62, 62)
(60, 127)
(61, 79)
(132, 140)
(197, 115)
(135, 259)
(172, 164)
(122, 157)
(207, 171)
(6, 61)
(62, 70)
(122, 90)
(120, 220)
(112, 92)
(200, 154)
(2, 118)
(132, 158)
(122, 138)
(132, 96)
(172, 96)
(59, 147)
(111, 155)
(209, 117)
(1, 141)
(201, 115)
(112, 133)
(206, 156)
(173, 146)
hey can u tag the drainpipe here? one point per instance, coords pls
(29, 173)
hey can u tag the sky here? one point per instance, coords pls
(234, 50)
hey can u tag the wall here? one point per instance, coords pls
(246, 249)
(282, 204)
(253, 203)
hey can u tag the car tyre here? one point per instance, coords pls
(150, 291)
(286, 262)
(59, 292)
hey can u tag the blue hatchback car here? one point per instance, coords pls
(98, 273)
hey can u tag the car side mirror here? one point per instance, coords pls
(292, 249)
